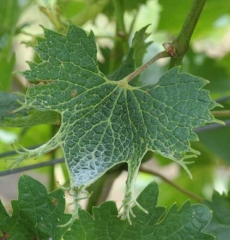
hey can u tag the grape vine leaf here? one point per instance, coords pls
(187, 222)
(105, 122)
(220, 223)
(35, 214)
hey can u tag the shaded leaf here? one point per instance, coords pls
(10, 102)
(134, 58)
(211, 69)
(220, 223)
(217, 141)
(36, 214)
(126, 5)
(184, 223)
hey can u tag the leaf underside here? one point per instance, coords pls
(107, 122)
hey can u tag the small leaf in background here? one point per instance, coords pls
(186, 223)
(212, 69)
(8, 103)
(140, 45)
(133, 59)
(217, 141)
(126, 5)
(7, 66)
(25, 118)
(220, 223)
(36, 213)
(10, 11)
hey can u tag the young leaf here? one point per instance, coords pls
(36, 214)
(184, 223)
(134, 57)
(220, 223)
(107, 122)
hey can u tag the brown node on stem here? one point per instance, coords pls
(5, 236)
(170, 48)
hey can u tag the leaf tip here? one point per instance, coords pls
(218, 105)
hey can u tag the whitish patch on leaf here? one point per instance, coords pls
(107, 122)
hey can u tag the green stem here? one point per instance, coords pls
(52, 182)
(224, 113)
(121, 46)
(101, 189)
(54, 18)
(182, 190)
(181, 42)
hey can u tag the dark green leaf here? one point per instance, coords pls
(220, 223)
(36, 214)
(214, 70)
(134, 58)
(10, 102)
(185, 223)
(217, 141)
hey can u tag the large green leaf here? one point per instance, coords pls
(107, 122)
(220, 224)
(36, 214)
(184, 223)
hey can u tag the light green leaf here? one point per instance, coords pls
(185, 223)
(36, 214)
(107, 122)
(220, 223)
